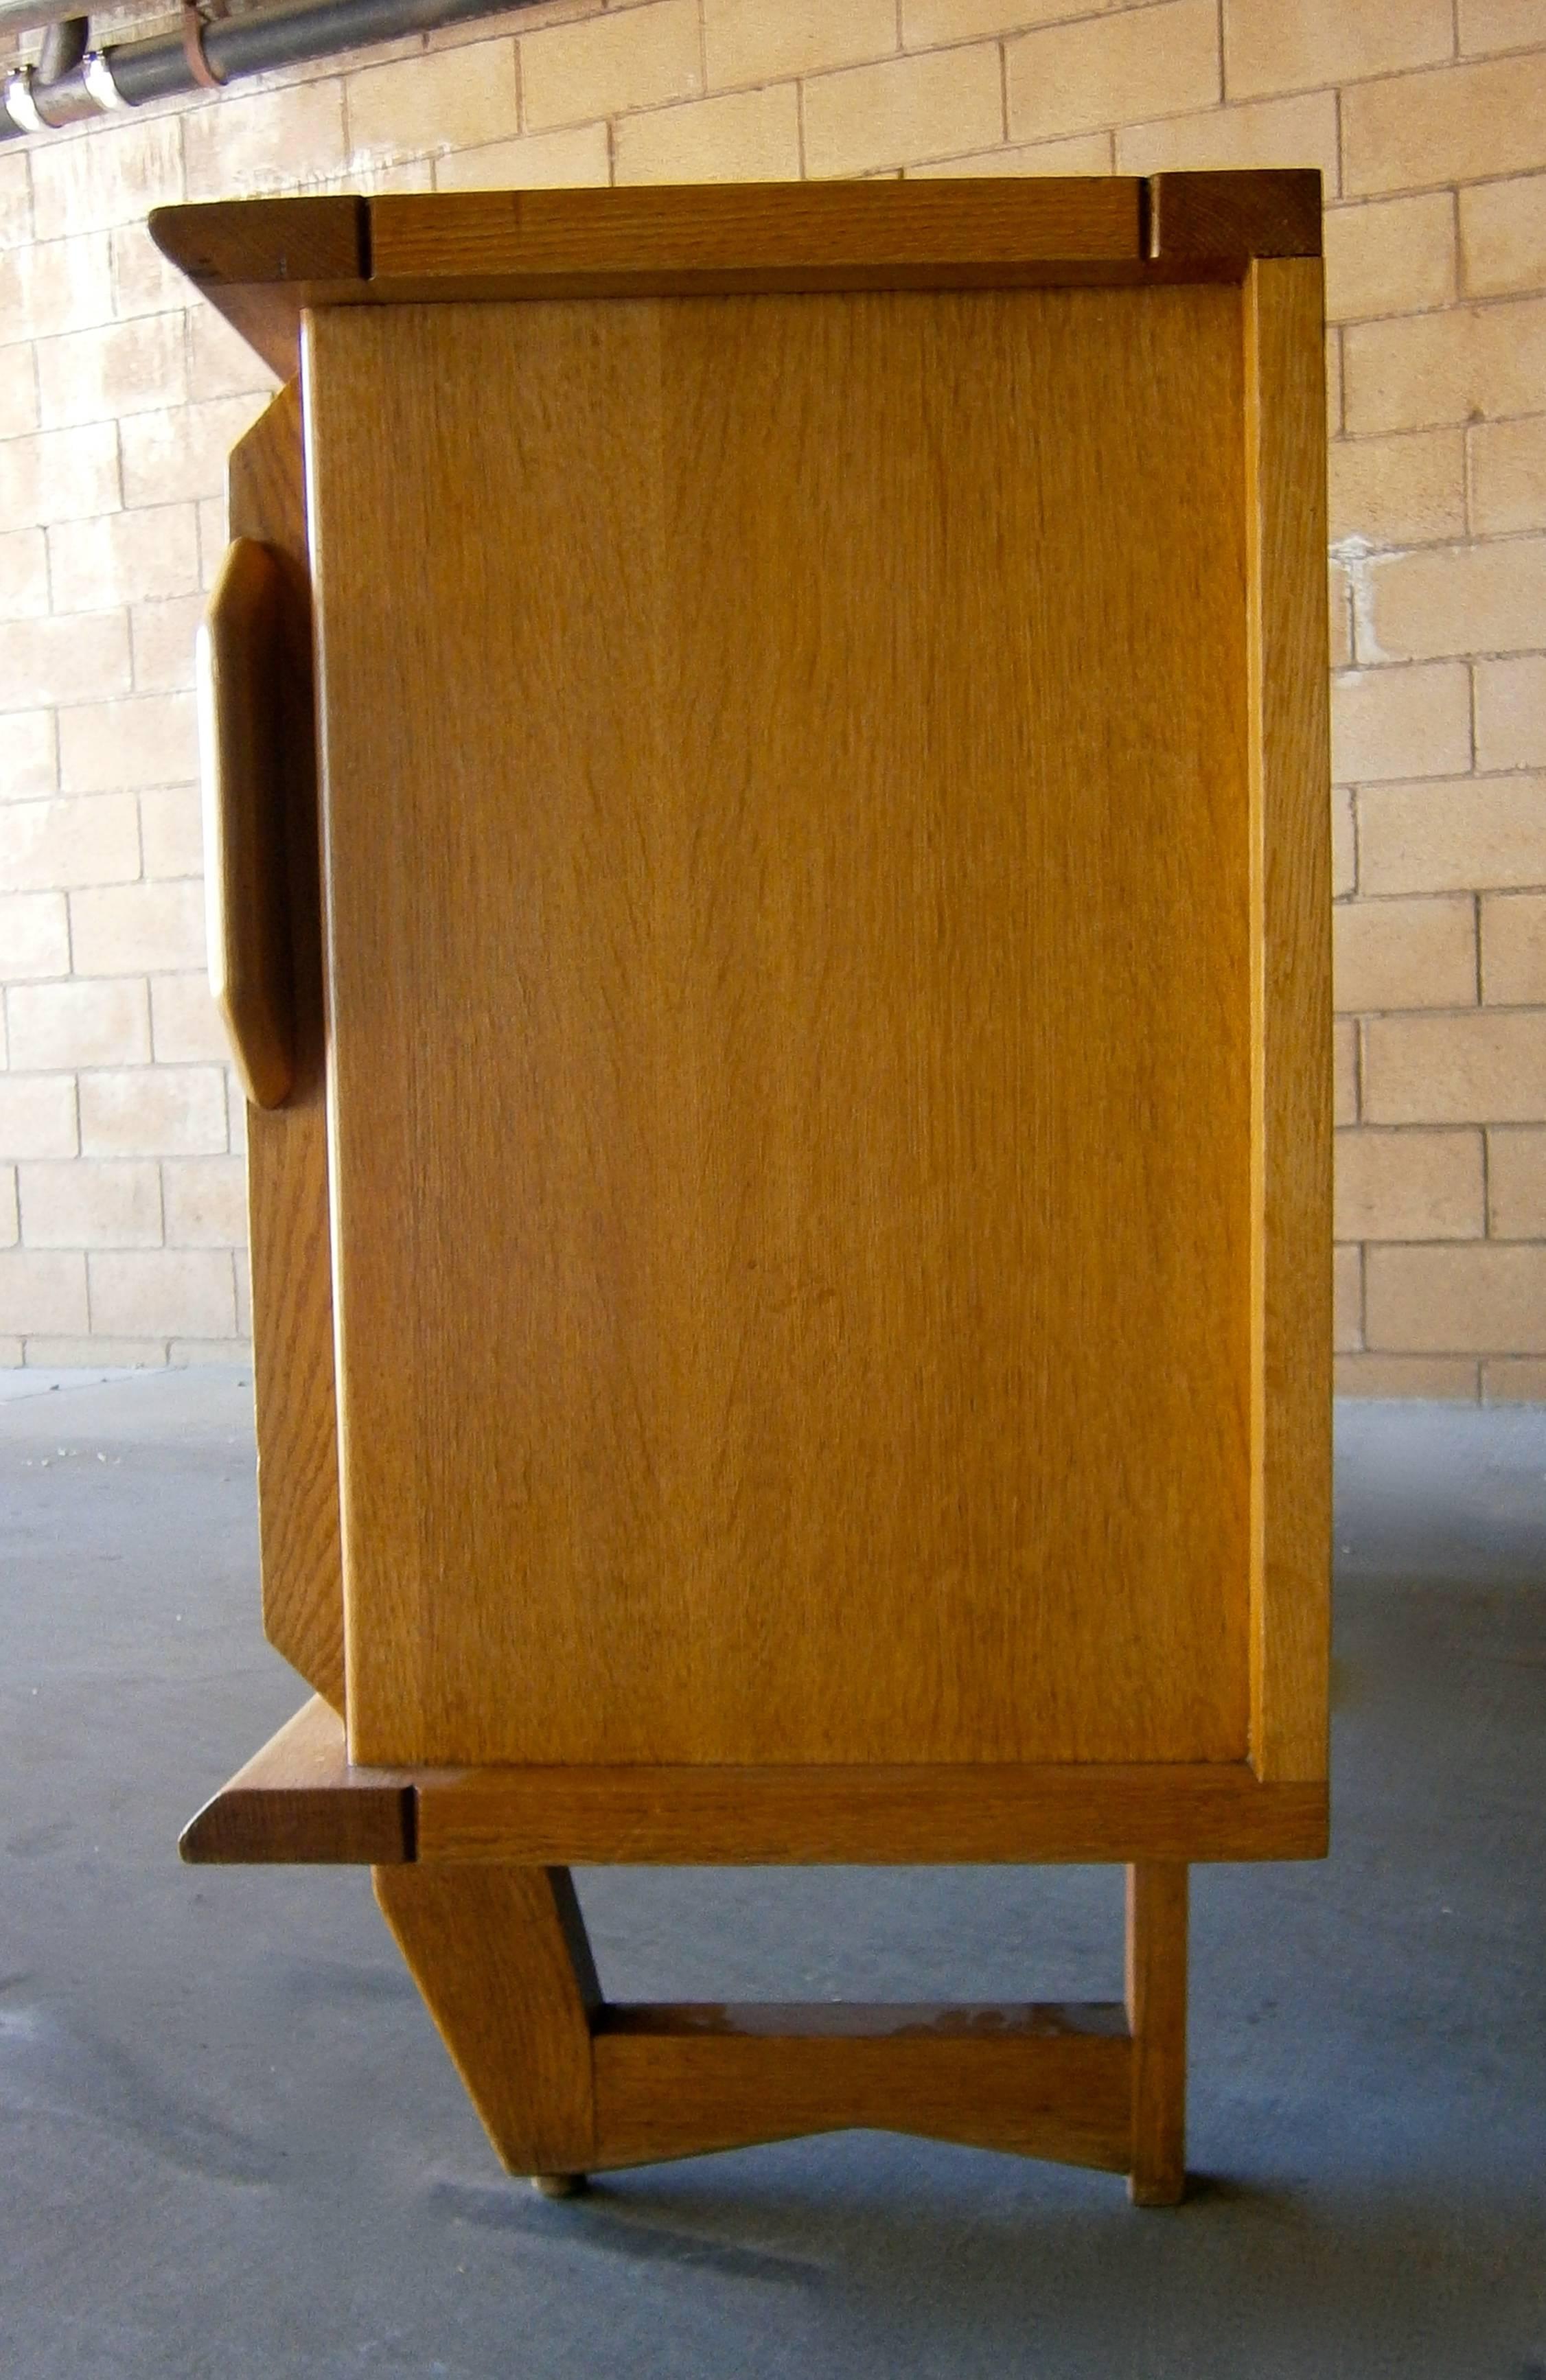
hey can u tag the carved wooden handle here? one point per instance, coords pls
(240, 710)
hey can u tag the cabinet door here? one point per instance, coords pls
(787, 851)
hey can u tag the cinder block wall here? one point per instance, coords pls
(120, 1169)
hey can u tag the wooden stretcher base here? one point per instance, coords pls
(568, 2083)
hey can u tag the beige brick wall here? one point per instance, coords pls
(120, 1209)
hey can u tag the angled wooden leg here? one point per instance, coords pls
(1157, 2020)
(501, 1957)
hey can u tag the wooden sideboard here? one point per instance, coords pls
(767, 788)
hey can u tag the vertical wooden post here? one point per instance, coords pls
(501, 1957)
(1289, 759)
(1157, 1893)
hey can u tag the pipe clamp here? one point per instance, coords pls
(20, 105)
(97, 76)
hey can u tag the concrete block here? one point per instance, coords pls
(1465, 363)
(83, 1203)
(1405, 490)
(58, 475)
(1393, 257)
(114, 174)
(1473, 1299)
(1489, 832)
(602, 66)
(124, 557)
(905, 110)
(185, 1026)
(138, 929)
(545, 160)
(744, 42)
(1271, 133)
(1511, 712)
(746, 136)
(121, 367)
(1270, 47)
(28, 756)
(147, 739)
(1484, 1066)
(42, 1289)
(79, 1023)
(1401, 722)
(52, 846)
(205, 1202)
(1514, 948)
(1409, 1185)
(429, 105)
(186, 1292)
(1394, 953)
(1455, 123)
(34, 937)
(153, 1111)
(37, 1115)
(1508, 477)
(1117, 69)
(1516, 1182)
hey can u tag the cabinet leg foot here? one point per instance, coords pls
(501, 1957)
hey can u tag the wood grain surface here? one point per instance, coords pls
(1291, 992)
(1197, 216)
(1215, 1810)
(554, 1816)
(749, 237)
(286, 1149)
(239, 660)
(297, 1800)
(1037, 2081)
(501, 1958)
(262, 261)
(793, 1180)
(245, 241)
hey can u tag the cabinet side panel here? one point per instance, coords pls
(1291, 1531)
(787, 871)
(286, 1148)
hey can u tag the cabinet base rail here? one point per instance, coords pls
(300, 1799)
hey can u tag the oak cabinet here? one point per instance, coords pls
(786, 997)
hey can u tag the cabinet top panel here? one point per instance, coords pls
(262, 261)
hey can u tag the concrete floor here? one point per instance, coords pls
(233, 2146)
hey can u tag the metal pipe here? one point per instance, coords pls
(50, 84)
(293, 33)
(63, 46)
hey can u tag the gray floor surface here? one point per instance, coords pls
(230, 2143)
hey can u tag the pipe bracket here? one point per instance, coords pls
(198, 65)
